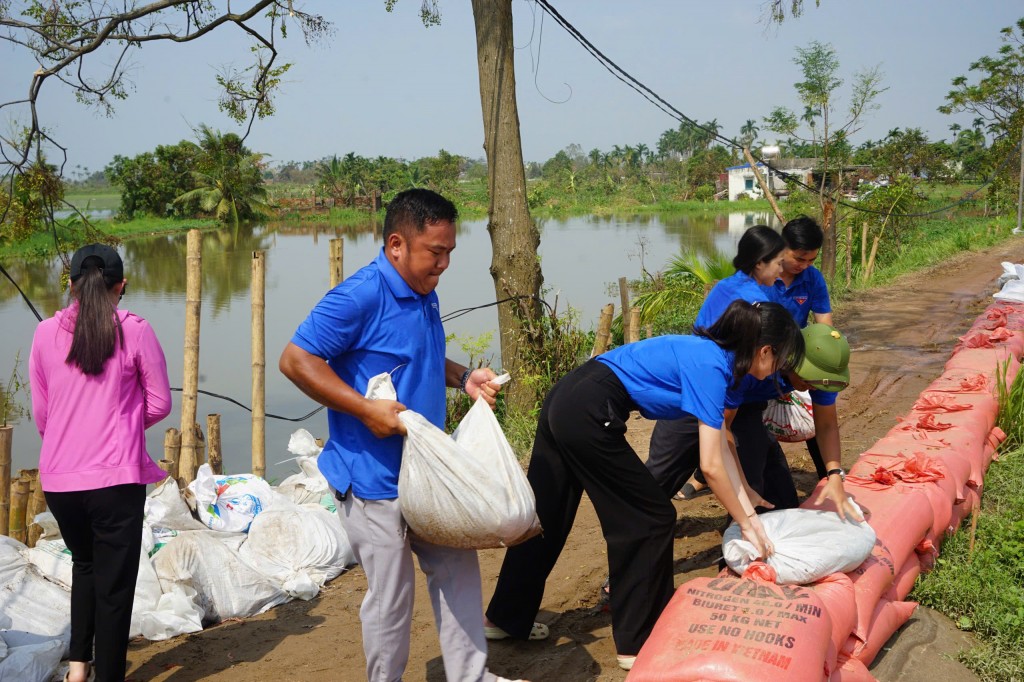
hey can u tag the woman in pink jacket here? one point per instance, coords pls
(99, 380)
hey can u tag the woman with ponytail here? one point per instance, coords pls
(581, 446)
(99, 380)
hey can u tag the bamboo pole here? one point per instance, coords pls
(634, 324)
(189, 393)
(974, 529)
(213, 443)
(19, 508)
(200, 445)
(871, 259)
(36, 506)
(259, 364)
(337, 260)
(172, 450)
(650, 330)
(624, 297)
(764, 186)
(604, 329)
(864, 246)
(6, 439)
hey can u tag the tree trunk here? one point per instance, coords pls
(514, 237)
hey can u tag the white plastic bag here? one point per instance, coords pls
(309, 485)
(466, 490)
(229, 503)
(31, 662)
(1012, 283)
(165, 508)
(33, 609)
(809, 544)
(790, 418)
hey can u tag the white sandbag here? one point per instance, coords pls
(467, 490)
(809, 544)
(33, 609)
(147, 593)
(48, 523)
(53, 559)
(229, 503)
(300, 549)
(790, 418)
(225, 586)
(309, 485)
(177, 612)
(165, 508)
(31, 662)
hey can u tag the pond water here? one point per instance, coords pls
(582, 259)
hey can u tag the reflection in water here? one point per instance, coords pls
(580, 256)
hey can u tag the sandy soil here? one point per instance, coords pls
(901, 336)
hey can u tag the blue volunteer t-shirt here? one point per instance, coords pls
(807, 293)
(671, 376)
(751, 390)
(374, 322)
(737, 287)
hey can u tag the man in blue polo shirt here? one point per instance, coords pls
(385, 318)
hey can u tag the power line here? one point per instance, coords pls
(659, 102)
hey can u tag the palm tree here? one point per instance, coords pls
(748, 132)
(231, 192)
(686, 280)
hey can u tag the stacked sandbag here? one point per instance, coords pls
(915, 485)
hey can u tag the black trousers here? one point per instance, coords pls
(581, 446)
(675, 454)
(103, 530)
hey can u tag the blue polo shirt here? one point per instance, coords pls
(671, 376)
(807, 293)
(374, 322)
(737, 287)
(751, 390)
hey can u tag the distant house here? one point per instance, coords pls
(741, 179)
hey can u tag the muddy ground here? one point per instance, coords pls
(901, 336)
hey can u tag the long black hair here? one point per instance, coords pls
(745, 327)
(759, 244)
(97, 326)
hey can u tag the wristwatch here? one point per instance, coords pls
(842, 474)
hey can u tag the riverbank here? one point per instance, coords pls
(902, 335)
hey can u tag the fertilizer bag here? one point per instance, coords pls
(809, 545)
(790, 418)
(466, 490)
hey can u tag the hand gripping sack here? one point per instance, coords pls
(466, 490)
(790, 418)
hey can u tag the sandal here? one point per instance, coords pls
(625, 662)
(688, 492)
(91, 677)
(538, 632)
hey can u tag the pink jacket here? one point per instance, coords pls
(94, 427)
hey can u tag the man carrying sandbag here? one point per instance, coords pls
(385, 318)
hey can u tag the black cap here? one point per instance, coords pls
(113, 268)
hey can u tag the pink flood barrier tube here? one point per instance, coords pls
(916, 485)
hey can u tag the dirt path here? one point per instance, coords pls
(901, 336)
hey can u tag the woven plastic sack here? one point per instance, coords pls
(809, 545)
(790, 418)
(229, 503)
(466, 490)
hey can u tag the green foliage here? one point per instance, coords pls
(669, 301)
(227, 180)
(151, 181)
(983, 590)
(37, 191)
(9, 406)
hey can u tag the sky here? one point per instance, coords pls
(383, 84)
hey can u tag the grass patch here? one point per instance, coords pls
(983, 591)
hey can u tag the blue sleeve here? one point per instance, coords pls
(333, 326)
(820, 302)
(704, 396)
(826, 398)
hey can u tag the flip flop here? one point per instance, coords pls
(538, 632)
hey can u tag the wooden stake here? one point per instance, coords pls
(604, 329)
(624, 296)
(871, 259)
(19, 508)
(259, 365)
(634, 324)
(200, 445)
(172, 450)
(337, 261)
(187, 462)
(864, 247)
(213, 443)
(650, 330)
(6, 439)
(849, 253)
(764, 186)
(36, 505)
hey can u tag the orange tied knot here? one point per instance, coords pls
(936, 402)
